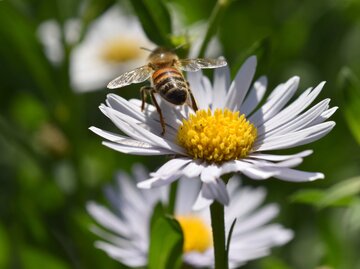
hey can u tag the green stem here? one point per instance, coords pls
(172, 197)
(218, 230)
(213, 24)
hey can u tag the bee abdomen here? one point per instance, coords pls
(171, 85)
(161, 75)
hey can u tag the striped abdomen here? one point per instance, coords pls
(171, 85)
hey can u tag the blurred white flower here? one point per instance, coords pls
(125, 228)
(111, 47)
(49, 34)
(229, 133)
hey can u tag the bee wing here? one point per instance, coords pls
(191, 65)
(135, 76)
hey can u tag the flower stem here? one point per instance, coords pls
(213, 23)
(218, 231)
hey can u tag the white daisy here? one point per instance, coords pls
(49, 34)
(229, 133)
(126, 234)
(111, 47)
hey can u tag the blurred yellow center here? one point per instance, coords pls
(197, 235)
(118, 50)
(217, 137)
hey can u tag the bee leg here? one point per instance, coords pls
(192, 99)
(153, 99)
(143, 94)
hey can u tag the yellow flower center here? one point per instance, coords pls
(197, 234)
(118, 50)
(217, 137)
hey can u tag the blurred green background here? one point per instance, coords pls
(51, 164)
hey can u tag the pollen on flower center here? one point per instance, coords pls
(217, 137)
(118, 50)
(197, 234)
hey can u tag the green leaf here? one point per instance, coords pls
(22, 39)
(261, 48)
(166, 242)
(155, 19)
(4, 248)
(33, 258)
(340, 193)
(273, 263)
(216, 16)
(350, 86)
(229, 237)
(28, 112)
(310, 196)
(353, 219)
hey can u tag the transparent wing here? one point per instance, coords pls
(191, 65)
(135, 76)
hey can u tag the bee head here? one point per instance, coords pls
(162, 57)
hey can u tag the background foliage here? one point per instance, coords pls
(45, 185)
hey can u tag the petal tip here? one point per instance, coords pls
(317, 176)
(144, 185)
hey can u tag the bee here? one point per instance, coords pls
(164, 69)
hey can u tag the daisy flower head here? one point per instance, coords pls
(112, 45)
(124, 230)
(232, 131)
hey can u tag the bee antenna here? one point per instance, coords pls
(147, 49)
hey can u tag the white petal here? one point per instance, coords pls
(127, 144)
(276, 103)
(121, 242)
(287, 163)
(200, 89)
(256, 242)
(258, 173)
(210, 173)
(123, 125)
(299, 122)
(255, 96)
(243, 202)
(216, 190)
(272, 157)
(151, 120)
(324, 116)
(200, 260)
(128, 126)
(295, 108)
(107, 135)
(141, 148)
(257, 219)
(240, 86)
(298, 138)
(221, 85)
(157, 182)
(107, 219)
(233, 185)
(247, 169)
(292, 175)
(187, 192)
(193, 169)
(133, 259)
(171, 167)
(122, 105)
(201, 201)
